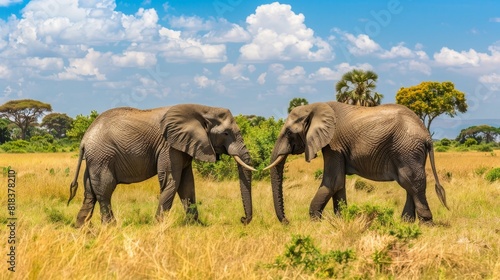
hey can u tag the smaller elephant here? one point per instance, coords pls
(382, 143)
(127, 145)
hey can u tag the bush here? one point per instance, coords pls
(361, 185)
(301, 253)
(493, 175)
(442, 149)
(470, 142)
(445, 142)
(484, 148)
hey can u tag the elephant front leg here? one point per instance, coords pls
(332, 185)
(187, 194)
(168, 187)
(319, 202)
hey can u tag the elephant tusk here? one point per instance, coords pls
(278, 160)
(238, 160)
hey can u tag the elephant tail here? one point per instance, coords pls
(439, 189)
(74, 185)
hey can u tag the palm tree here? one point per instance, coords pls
(296, 102)
(357, 88)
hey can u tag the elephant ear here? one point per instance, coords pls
(319, 129)
(186, 129)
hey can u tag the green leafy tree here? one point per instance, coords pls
(80, 125)
(481, 133)
(357, 87)
(431, 99)
(57, 124)
(24, 113)
(296, 102)
(4, 131)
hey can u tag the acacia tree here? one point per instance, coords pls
(431, 99)
(480, 133)
(296, 102)
(57, 124)
(24, 113)
(357, 87)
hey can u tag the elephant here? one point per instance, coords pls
(127, 145)
(383, 143)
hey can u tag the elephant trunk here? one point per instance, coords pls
(277, 185)
(240, 153)
(245, 176)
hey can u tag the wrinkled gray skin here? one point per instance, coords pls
(383, 143)
(126, 145)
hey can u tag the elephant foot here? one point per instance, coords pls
(426, 221)
(407, 218)
(315, 216)
(245, 220)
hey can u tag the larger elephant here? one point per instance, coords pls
(127, 145)
(383, 143)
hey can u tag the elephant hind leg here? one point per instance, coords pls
(89, 201)
(104, 186)
(414, 182)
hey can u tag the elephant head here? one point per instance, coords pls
(307, 129)
(205, 133)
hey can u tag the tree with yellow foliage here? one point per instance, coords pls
(431, 99)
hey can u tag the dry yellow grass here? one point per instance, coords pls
(464, 245)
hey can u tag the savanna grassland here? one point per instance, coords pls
(369, 242)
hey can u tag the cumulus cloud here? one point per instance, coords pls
(292, 76)
(134, 59)
(87, 67)
(234, 71)
(477, 61)
(54, 28)
(260, 80)
(203, 81)
(329, 74)
(358, 45)
(492, 81)
(280, 34)
(5, 3)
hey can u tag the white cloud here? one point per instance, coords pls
(134, 59)
(398, 51)
(292, 76)
(45, 63)
(233, 71)
(5, 3)
(87, 67)
(493, 78)
(280, 34)
(497, 19)
(260, 80)
(4, 72)
(359, 45)
(307, 89)
(451, 57)
(329, 74)
(203, 81)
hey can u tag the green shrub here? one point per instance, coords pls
(445, 142)
(318, 174)
(484, 148)
(470, 142)
(301, 253)
(480, 170)
(442, 149)
(493, 175)
(361, 185)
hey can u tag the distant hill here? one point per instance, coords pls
(450, 128)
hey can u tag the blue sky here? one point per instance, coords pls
(252, 57)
